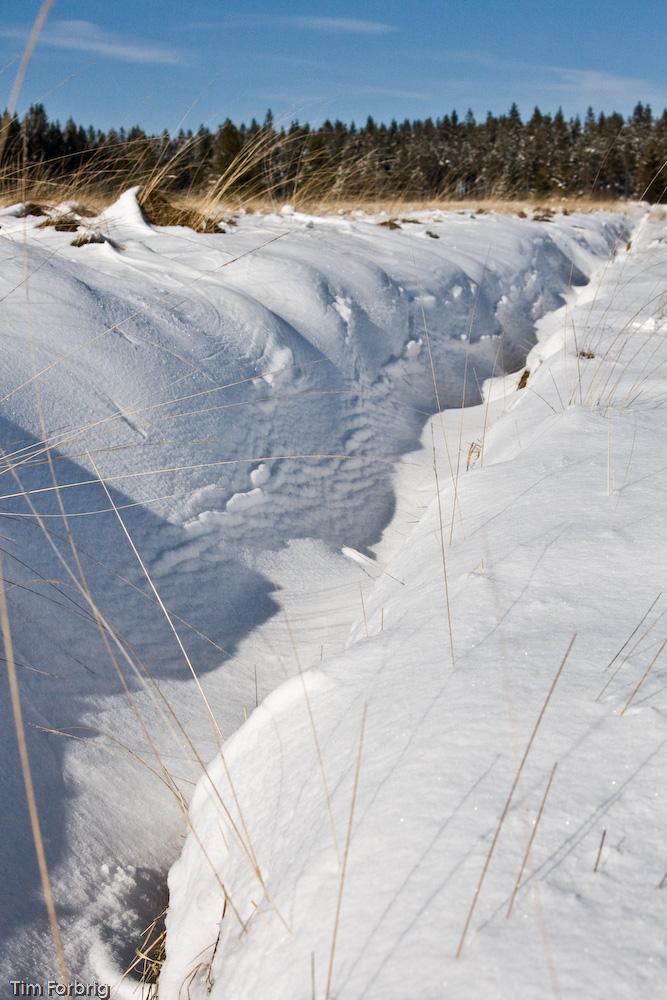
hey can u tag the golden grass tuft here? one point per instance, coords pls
(151, 954)
(161, 210)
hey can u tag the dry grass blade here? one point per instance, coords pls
(597, 860)
(442, 547)
(40, 20)
(346, 854)
(474, 452)
(126, 751)
(634, 631)
(27, 779)
(436, 391)
(363, 609)
(530, 842)
(631, 651)
(646, 673)
(509, 798)
(212, 722)
(471, 325)
(311, 718)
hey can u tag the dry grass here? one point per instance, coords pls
(346, 854)
(509, 798)
(398, 207)
(204, 210)
(151, 954)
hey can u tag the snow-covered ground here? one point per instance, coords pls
(254, 402)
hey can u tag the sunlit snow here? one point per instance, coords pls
(237, 483)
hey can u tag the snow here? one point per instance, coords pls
(386, 595)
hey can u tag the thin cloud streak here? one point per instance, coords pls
(536, 84)
(84, 36)
(335, 24)
(564, 78)
(351, 25)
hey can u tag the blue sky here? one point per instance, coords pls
(169, 63)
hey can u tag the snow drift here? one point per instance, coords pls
(236, 406)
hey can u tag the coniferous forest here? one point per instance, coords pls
(604, 156)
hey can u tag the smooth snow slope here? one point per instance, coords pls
(244, 397)
(553, 541)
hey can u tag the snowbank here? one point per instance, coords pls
(340, 841)
(246, 397)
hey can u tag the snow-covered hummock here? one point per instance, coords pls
(348, 867)
(247, 397)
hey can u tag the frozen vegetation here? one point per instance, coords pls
(238, 482)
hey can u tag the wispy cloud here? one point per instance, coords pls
(587, 81)
(84, 36)
(585, 86)
(350, 25)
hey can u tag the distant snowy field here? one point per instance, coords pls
(257, 405)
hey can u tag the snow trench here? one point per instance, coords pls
(223, 406)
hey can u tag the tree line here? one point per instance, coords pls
(503, 157)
